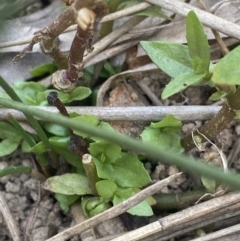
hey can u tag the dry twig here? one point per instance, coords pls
(12, 226)
(207, 19)
(187, 220)
(141, 113)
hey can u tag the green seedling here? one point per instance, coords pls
(111, 166)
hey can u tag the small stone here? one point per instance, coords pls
(12, 187)
(40, 234)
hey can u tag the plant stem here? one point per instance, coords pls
(47, 35)
(218, 123)
(167, 201)
(22, 169)
(77, 144)
(66, 79)
(114, 35)
(106, 27)
(138, 113)
(91, 171)
(27, 137)
(184, 162)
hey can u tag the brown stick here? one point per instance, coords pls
(217, 123)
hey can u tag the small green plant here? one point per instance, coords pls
(115, 168)
(101, 172)
(122, 171)
(187, 65)
(190, 66)
(165, 133)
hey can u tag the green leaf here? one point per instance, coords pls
(58, 141)
(44, 69)
(164, 134)
(141, 209)
(104, 126)
(4, 95)
(27, 91)
(124, 192)
(57, 130)
(181, 82)
(218, 95)
(209, 184)
(227, 70)
(127, 171)
(7, 131)
(25, 146)
(168, 121)
(70, 157)
(197, 44)
(172, 58)
(79, 93)
(68, 184)
(93, 205)
(39, 148)
(99, 209)
(66, 200)
(165, 141)
(91, 202)
(105, 151)
(91, 120)
(8, 146)
(106, 188)
(110, 69)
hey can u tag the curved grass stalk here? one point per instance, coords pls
(186, 163)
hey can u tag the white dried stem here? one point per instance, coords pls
(141, 113)
(207, 19)
(11, 224)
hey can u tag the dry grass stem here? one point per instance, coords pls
(187, 220)
(109, 17)
(219, 40)
(11, 224)
(114, 35)
(155, 100)
(141, 113)
(110, 52)
(207, 19)
(32, 216)
(221, 234)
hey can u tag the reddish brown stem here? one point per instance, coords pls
(47, 35)
(218, 123)
(78, 47)
(77, 144)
